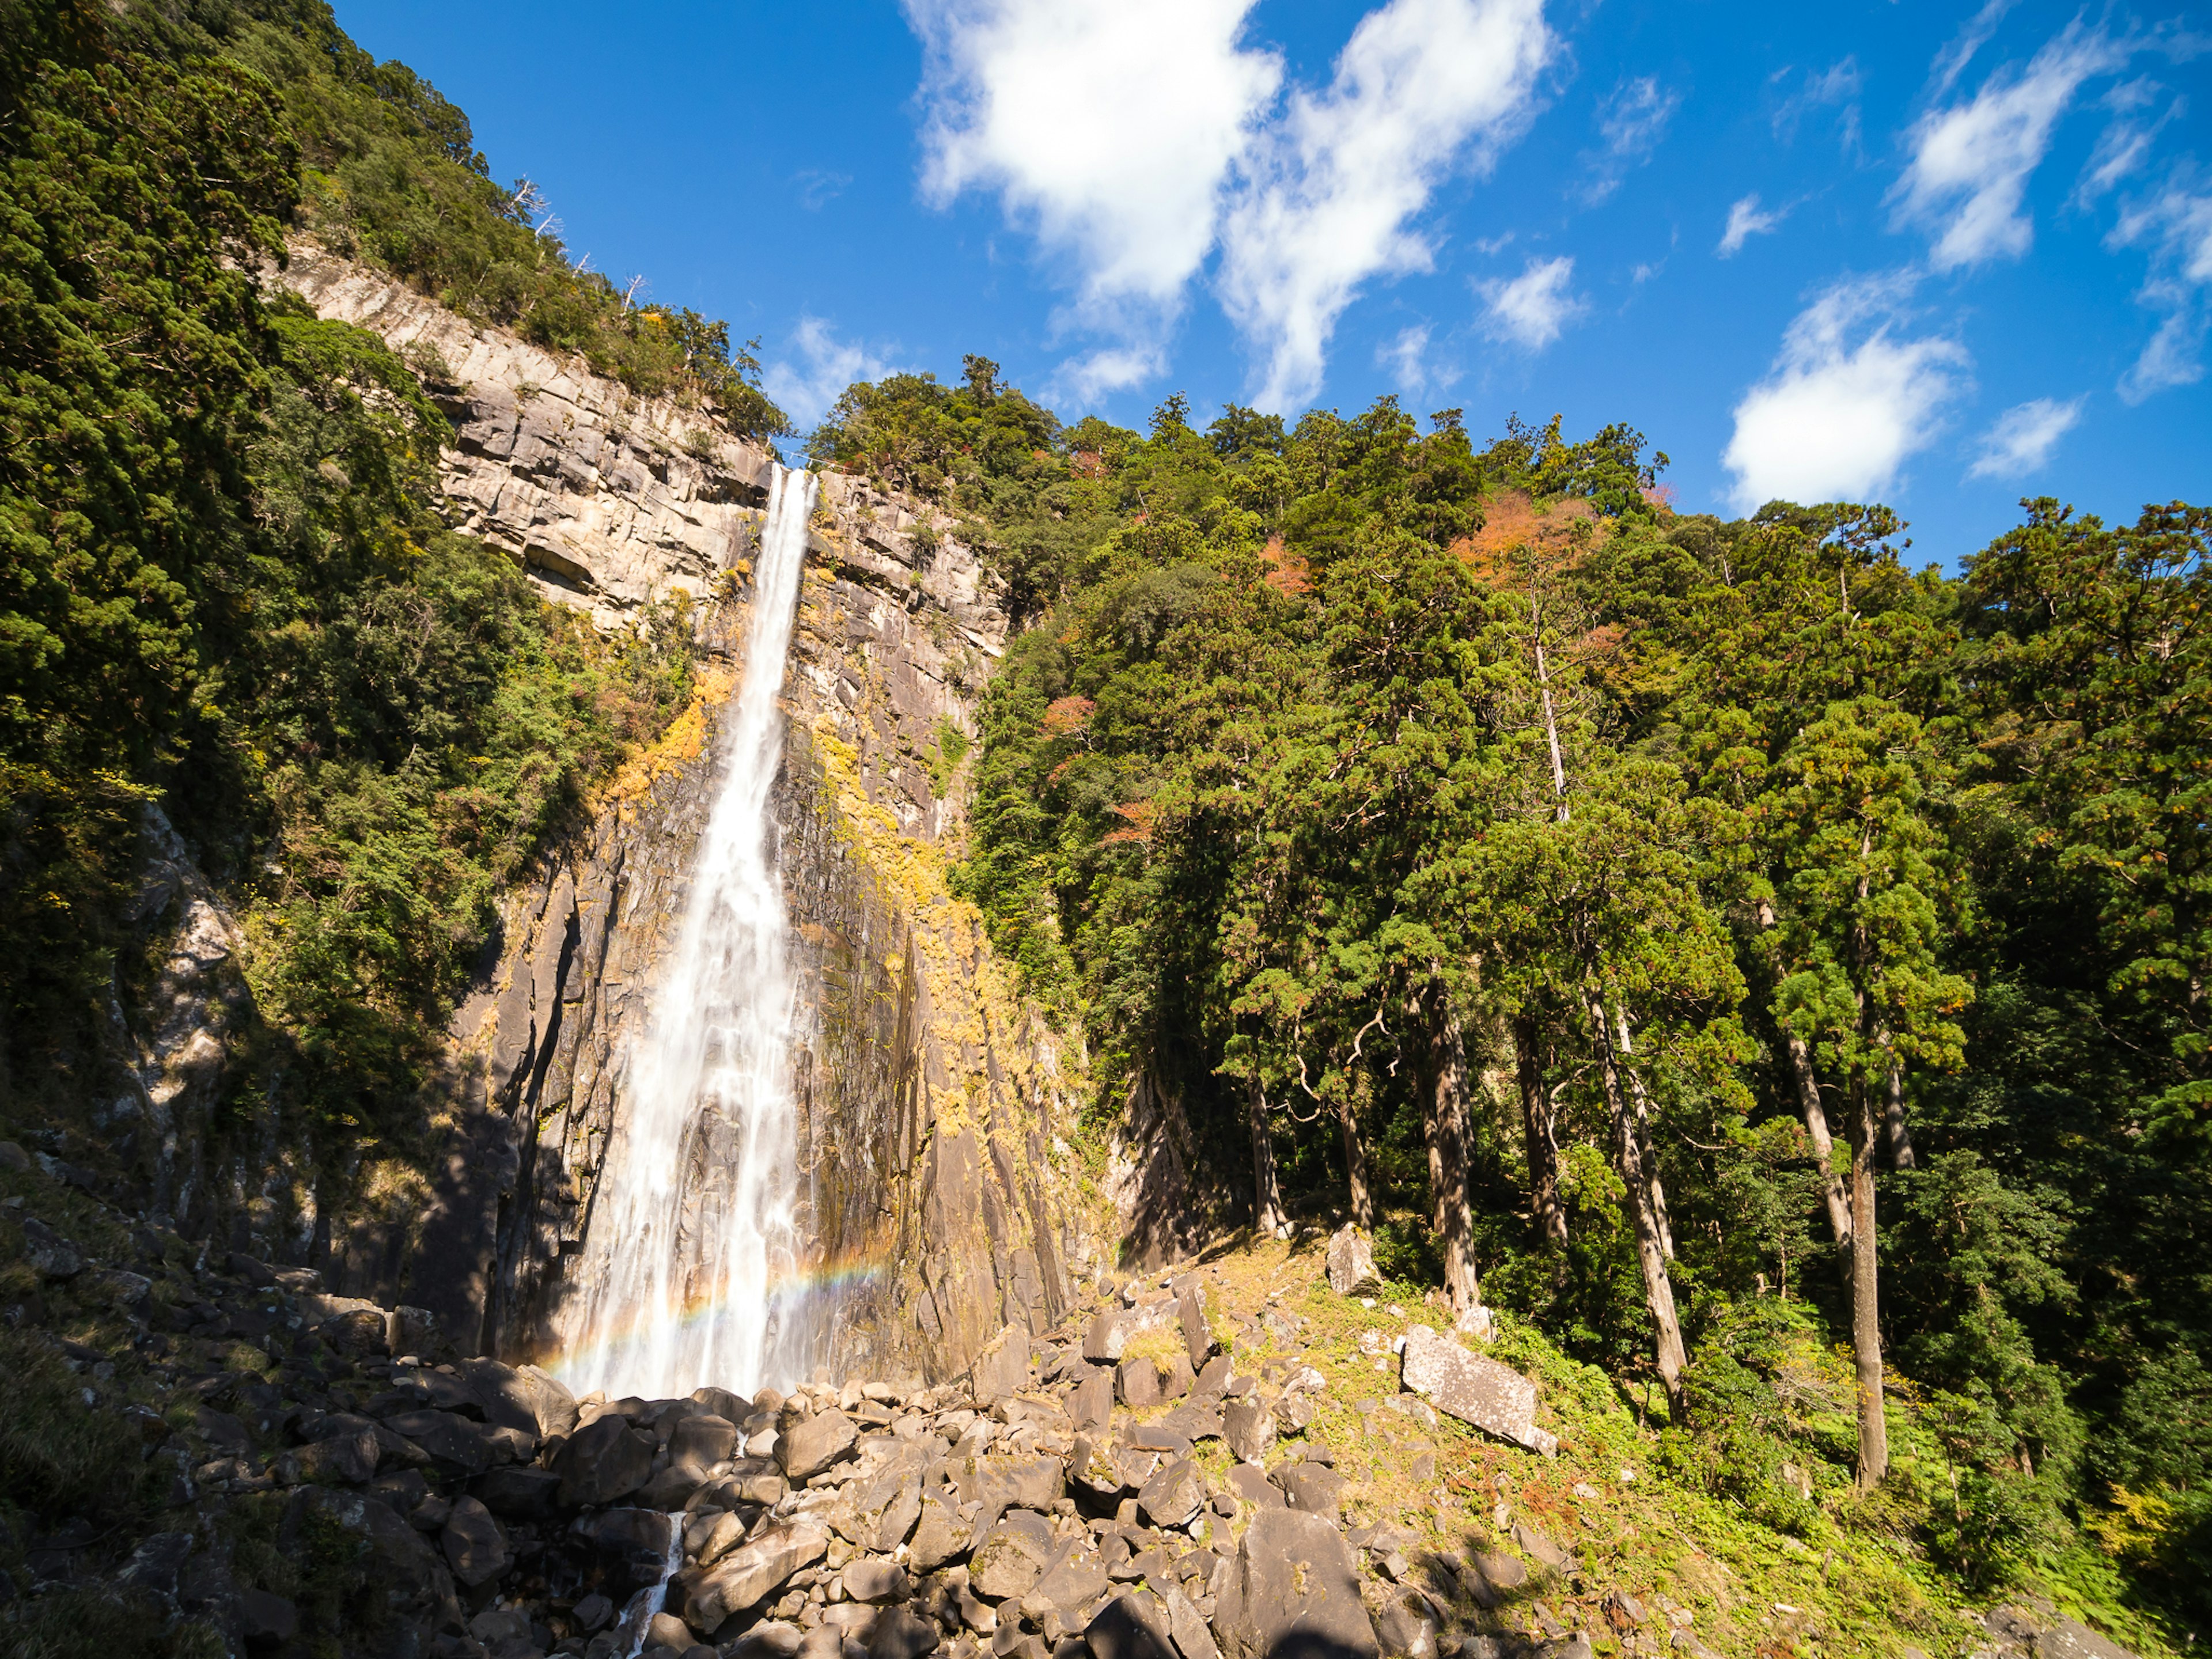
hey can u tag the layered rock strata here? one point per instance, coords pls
(931, 1098)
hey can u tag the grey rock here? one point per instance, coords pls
(449, 1438)
(940, 1536)
(1198, 1340)
(1131, 1626)
(1016, 1482)
(872, 1580)
(1187, 1625)
(1137, 1383)
(1072, 1581)
(699, 1442)
(1534, 1541)
(1405, 1627)
(806, 1448)
(772, 1639)
(1003, 1367)
(899, 1634)
(474, 1544)
(1296, 1590)
(1248, 1426)
(48, 1252)
(267, 1621)
(592, 1613)
(1351, 1263)
(1012, 1557)
(741, 1578)
(1494, 1398)
(1250, 1483)
(1313, 1487)
(157, 1562)
(1173, 1497)
(603, 1460)
(1092, 1404)
(519, 1491)
(347, 1457)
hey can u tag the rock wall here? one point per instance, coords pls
(933, 1104)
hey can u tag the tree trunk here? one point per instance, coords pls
(1824, 1146)
(1866, 1301)
(1446, 1131)
(1650, 1252)
(1901, 1155)
(1355, 1163)
(1641, 1097)
(1543, 1138)
(1266, 1194)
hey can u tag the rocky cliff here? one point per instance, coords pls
(933, 1104)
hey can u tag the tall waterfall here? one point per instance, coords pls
(691, 1234)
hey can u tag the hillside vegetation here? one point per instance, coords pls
(1722, 945)
(225, 588)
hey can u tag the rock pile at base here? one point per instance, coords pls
(1113, 1489)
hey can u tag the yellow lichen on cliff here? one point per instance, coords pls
(677, 747)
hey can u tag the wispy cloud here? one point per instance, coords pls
(1847, 401)
(825, 366)
(1972, 161)
(2024, 436)
(819, 186)
(1835, 88)
(1412, 370)
(2174, 221)
(1747, 220)
(1423, 88)
(1632, 123)
(1959, 50)
(1531, 309)
(1107, 131)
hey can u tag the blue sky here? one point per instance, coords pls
(1940, 255)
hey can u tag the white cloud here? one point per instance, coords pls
(1746, 220)
(2024, 436)
(1533, 308)
(1634, 121)
(1834, 88)
(2175, 223)
(1971, 162)
(1846, 402)
(1952, 61)
(806, 391)
(1423, 86)
(1406, 354)
(1108, 130)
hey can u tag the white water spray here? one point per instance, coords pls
(691, 1229)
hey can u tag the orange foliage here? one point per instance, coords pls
(1140, 815)
(1087, 464)
(1286, 571)
(1067, 715)
(1513, 524)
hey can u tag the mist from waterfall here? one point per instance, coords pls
(692, 1230)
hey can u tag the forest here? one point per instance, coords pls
(1694, 937)
(1709, 943)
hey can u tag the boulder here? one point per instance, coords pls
(940, 1536)
(1071, 1583)
(519, 1491)
(899, 1634)
(1174, 1497)
(1494, 1398)
(873, 1580)
(1251, 1484)
(1295, 1590)
(808, 1447)
(448, 1436)
(1015, 1483)
(1132, 1626)
(1405, 1627)
(741, 1578)
(1490, 1575)
(1313, 1487)
(604, 1460)
(1002, 1368)
(1248, 1426)
(699, 1442)
(1137, 1383)
(1091, 1405)
(1352, 1263)
(347, 1457)
(266, 1621)
(1198, 1340)
(1187, 1625)
(1012, 1557)
(1540, 1545)
(474, 1544)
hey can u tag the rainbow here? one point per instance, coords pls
(789, 1293)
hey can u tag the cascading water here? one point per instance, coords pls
(692, 1229)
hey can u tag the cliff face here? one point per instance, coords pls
(933, 1102)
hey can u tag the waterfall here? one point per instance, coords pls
(691, 1234)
